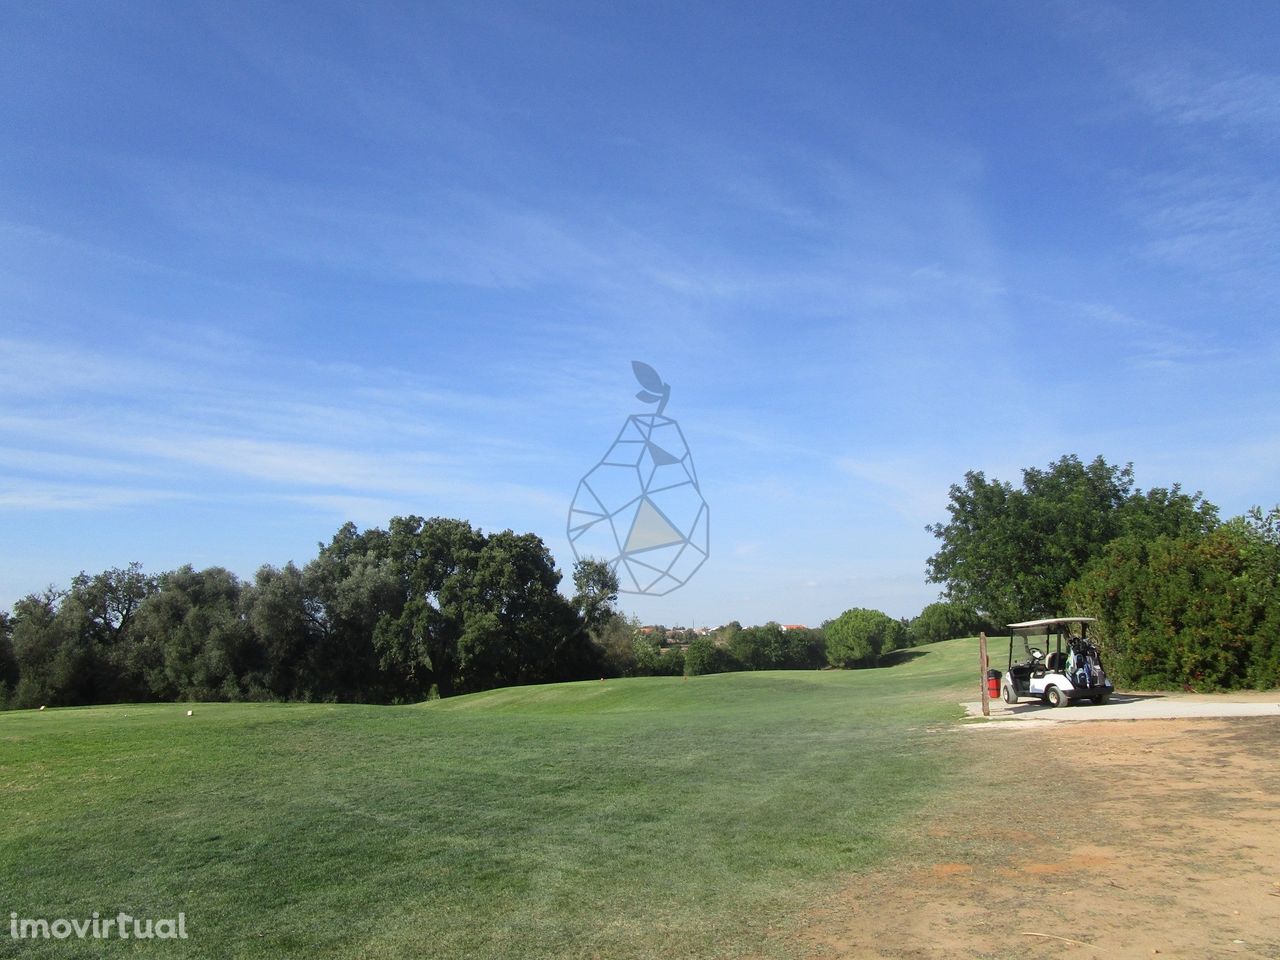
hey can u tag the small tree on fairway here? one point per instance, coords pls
(946, 620)
(858, 637)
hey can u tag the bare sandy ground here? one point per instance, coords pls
(1137, 706)
(1127, 839)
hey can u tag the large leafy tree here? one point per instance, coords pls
(284, 622)
(479, 611)
(195, 643)
(1009, 552)
(770, 647)
(54, 665)
(104, 608)
(79, 646)
(432, 560)
(517, 628)
(349, 587)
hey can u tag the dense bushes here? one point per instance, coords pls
(767, 647)
(1194, 611)
(1009, 552)
(1183, 600)
(704, 655)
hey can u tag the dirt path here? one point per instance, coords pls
(1169, 848)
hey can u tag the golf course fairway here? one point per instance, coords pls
(652, 817)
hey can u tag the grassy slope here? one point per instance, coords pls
(638, 818)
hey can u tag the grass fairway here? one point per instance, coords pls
(634, 818)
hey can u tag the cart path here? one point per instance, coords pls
(1134, 706)
(1166, 844)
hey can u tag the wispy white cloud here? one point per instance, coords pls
(913, 487)
(1214, 221)
(1230, 99)
(1144, 343)
(236, 432)
(42, 495)
(43, 463)
(1206, 198)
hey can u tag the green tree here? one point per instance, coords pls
(671, 663)
(703, 656)
(859, 637)
(614, 643)
(759, 648)
(806, 649)
(194, 641)
(432, 559)
(104, 607)
(53, 665)
(479, 611)
(647, 656)
(350, 587)
(517, 628)
(283, 617)
(595, 586)
(946, 620)
(1009, 553)
(8, 664)
(1199, 611)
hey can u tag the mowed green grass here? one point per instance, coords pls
(628, 819)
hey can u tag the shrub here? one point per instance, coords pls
(859, 637)
(703, 656)
(1198, 611)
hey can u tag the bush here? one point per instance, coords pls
(859, 637)
(703, 657)
(652, 660)
(1200, 612)
(946, 620)
(614, 641)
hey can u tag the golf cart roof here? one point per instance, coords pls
(1050, 622)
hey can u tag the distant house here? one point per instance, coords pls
(793, 626)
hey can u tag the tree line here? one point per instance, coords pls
(1183, 599)
(437, 607)
(858, 638)
(422, 608)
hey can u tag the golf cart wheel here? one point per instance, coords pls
(1056, 697)
(1009, 695)
(1101, 697)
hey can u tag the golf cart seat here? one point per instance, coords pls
(1056, 662)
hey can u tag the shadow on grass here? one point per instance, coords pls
(899, 657)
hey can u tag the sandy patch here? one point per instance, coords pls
(1089, 840)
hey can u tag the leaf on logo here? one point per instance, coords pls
(648, 397)
(648, 377)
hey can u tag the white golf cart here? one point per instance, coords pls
(1061, 664)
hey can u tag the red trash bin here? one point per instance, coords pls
(993, 684)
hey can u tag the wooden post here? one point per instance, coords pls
(982, 669)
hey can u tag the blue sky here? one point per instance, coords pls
(263, 271)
